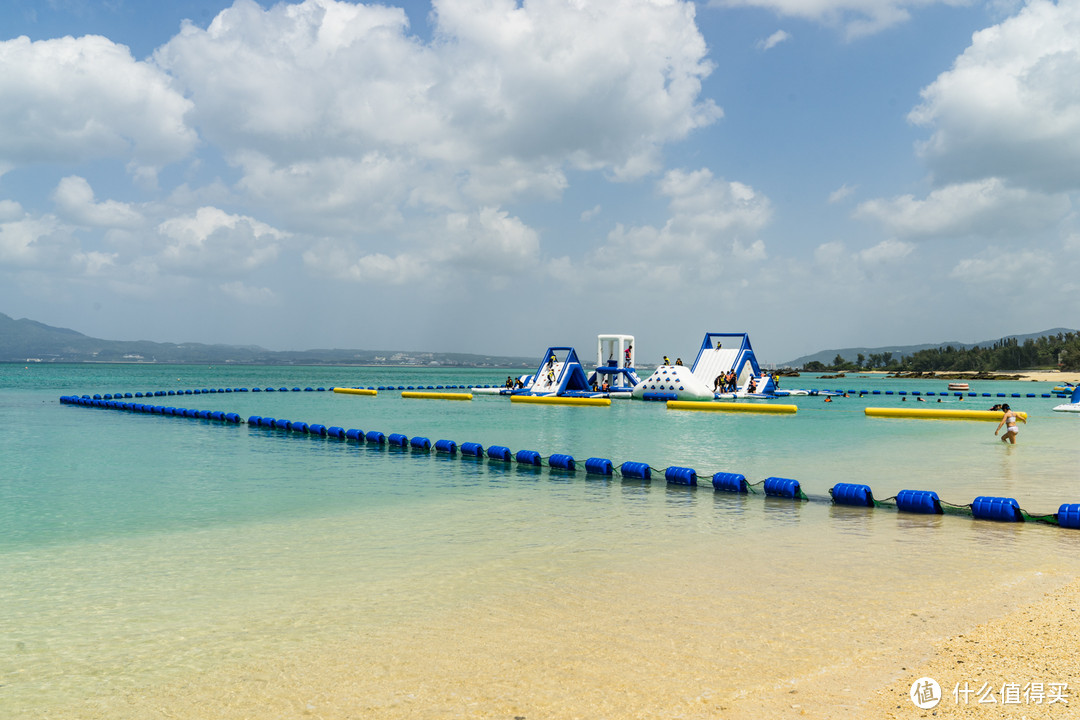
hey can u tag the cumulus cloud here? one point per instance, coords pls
(885, 252)
(498, 105)
(856, 17)
(77, 99)
(487, 242)
(1010, 105)
(773, 40)
(10, 210)
(711, 227)
(74, 200)
(988, 207)
(214, 241)
(36, 242)
(249, 295)
(995, 268)
(841, 193)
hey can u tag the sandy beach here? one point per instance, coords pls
(1002, 663)
(1054, 377)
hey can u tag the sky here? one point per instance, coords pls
(497, 177)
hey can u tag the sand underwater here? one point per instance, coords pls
(182, 568)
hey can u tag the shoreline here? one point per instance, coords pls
(1032, 644)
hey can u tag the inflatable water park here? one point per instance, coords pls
(725, 367)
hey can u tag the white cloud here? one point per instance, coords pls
(773, 40)
(711, 228)
(31, 242)
(856, 17)
(75, 99)
(988, 207)
(1010, 105)
(841, 193)
(588, 215)
(998, 270)
(885, 252)
(346, 262)
(488, 243)
(10, 210)
(501, 102)
(74, 200)
(214, 241)
(248, 295)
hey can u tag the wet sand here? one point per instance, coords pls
(1035, 644)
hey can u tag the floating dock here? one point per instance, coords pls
(938, 414)
(738, 407)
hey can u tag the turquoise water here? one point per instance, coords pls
(160, 562)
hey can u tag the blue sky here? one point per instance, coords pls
(498, 177)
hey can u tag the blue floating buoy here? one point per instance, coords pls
(996, 508)
(316, 429)
(282, 424)
(1068, 516)
(232, 417)
(783, 487)
(217, 415)
(528, 457)
(397, 439)
(296, 389)
(471, 448)
(599, 466)
(374, 436)
(681, 476)
(918, 501)
(852, 494)
(446, 446)
(299, 427)
(420, 443)
(729, 482)
(335, 432)
(499, 452)
(636, 470)
(563, 462)
(354, 435)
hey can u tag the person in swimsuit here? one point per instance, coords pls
(1009, 421)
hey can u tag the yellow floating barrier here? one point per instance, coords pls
(556, 400)
(435, 395)
(938, 414)
(706, 406)
(356, 391)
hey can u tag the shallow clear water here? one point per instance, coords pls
(156, 562)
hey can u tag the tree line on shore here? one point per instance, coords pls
(1061, 351)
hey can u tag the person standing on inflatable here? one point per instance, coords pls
(626, 355)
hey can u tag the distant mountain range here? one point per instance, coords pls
(23, 341)
(827, 356)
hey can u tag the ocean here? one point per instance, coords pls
(170, 567)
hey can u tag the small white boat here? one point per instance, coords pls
(1073, 405)
(959, 386)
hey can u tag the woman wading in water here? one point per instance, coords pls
(1009, 421)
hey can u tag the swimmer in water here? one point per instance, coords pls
(1009, 421)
